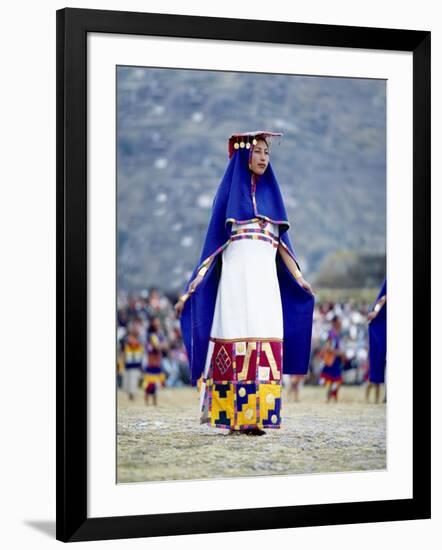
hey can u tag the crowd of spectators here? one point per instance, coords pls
(353, 341)
(137, 310)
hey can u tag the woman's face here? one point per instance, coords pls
(259, 158)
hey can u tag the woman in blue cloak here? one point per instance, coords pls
(247, 313)
(377, 335)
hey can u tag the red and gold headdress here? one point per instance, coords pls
(247, 139)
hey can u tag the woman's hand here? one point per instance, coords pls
(192, 287)
(305, 285)
(372, 315)
(179, 307)
(377, 308)
(195, 283)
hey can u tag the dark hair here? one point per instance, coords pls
(152, 327)
(263, 138)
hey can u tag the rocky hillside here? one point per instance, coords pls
(172, 134)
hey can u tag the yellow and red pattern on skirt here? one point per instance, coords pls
(154, 375)
(242, 386)
(153, 378)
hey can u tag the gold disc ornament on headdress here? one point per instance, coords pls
(242, 139)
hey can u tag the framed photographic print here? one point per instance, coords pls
(232, 196)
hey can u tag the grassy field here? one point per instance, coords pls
(167, 442)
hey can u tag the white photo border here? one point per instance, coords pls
(106, 497)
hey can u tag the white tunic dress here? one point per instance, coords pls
(248, 302)
(241, 384)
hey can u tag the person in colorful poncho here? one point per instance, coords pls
(333, 359)
(131, 353)
(247, 313)
(154, 375)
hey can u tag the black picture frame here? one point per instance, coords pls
(73, 25)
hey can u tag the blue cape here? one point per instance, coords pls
(377, 333)
(237, 200)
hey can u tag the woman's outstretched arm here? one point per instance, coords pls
(377, 308)
(192, 286)
(293, 268)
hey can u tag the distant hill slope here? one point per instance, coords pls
(173, 127)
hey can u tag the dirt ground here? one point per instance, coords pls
(167, 442)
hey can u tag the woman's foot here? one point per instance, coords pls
(254, 431)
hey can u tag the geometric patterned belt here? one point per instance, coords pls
(256, 234)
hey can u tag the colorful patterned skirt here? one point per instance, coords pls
(242, 380)
(242, 387)
(153, 377)
(332, 372)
